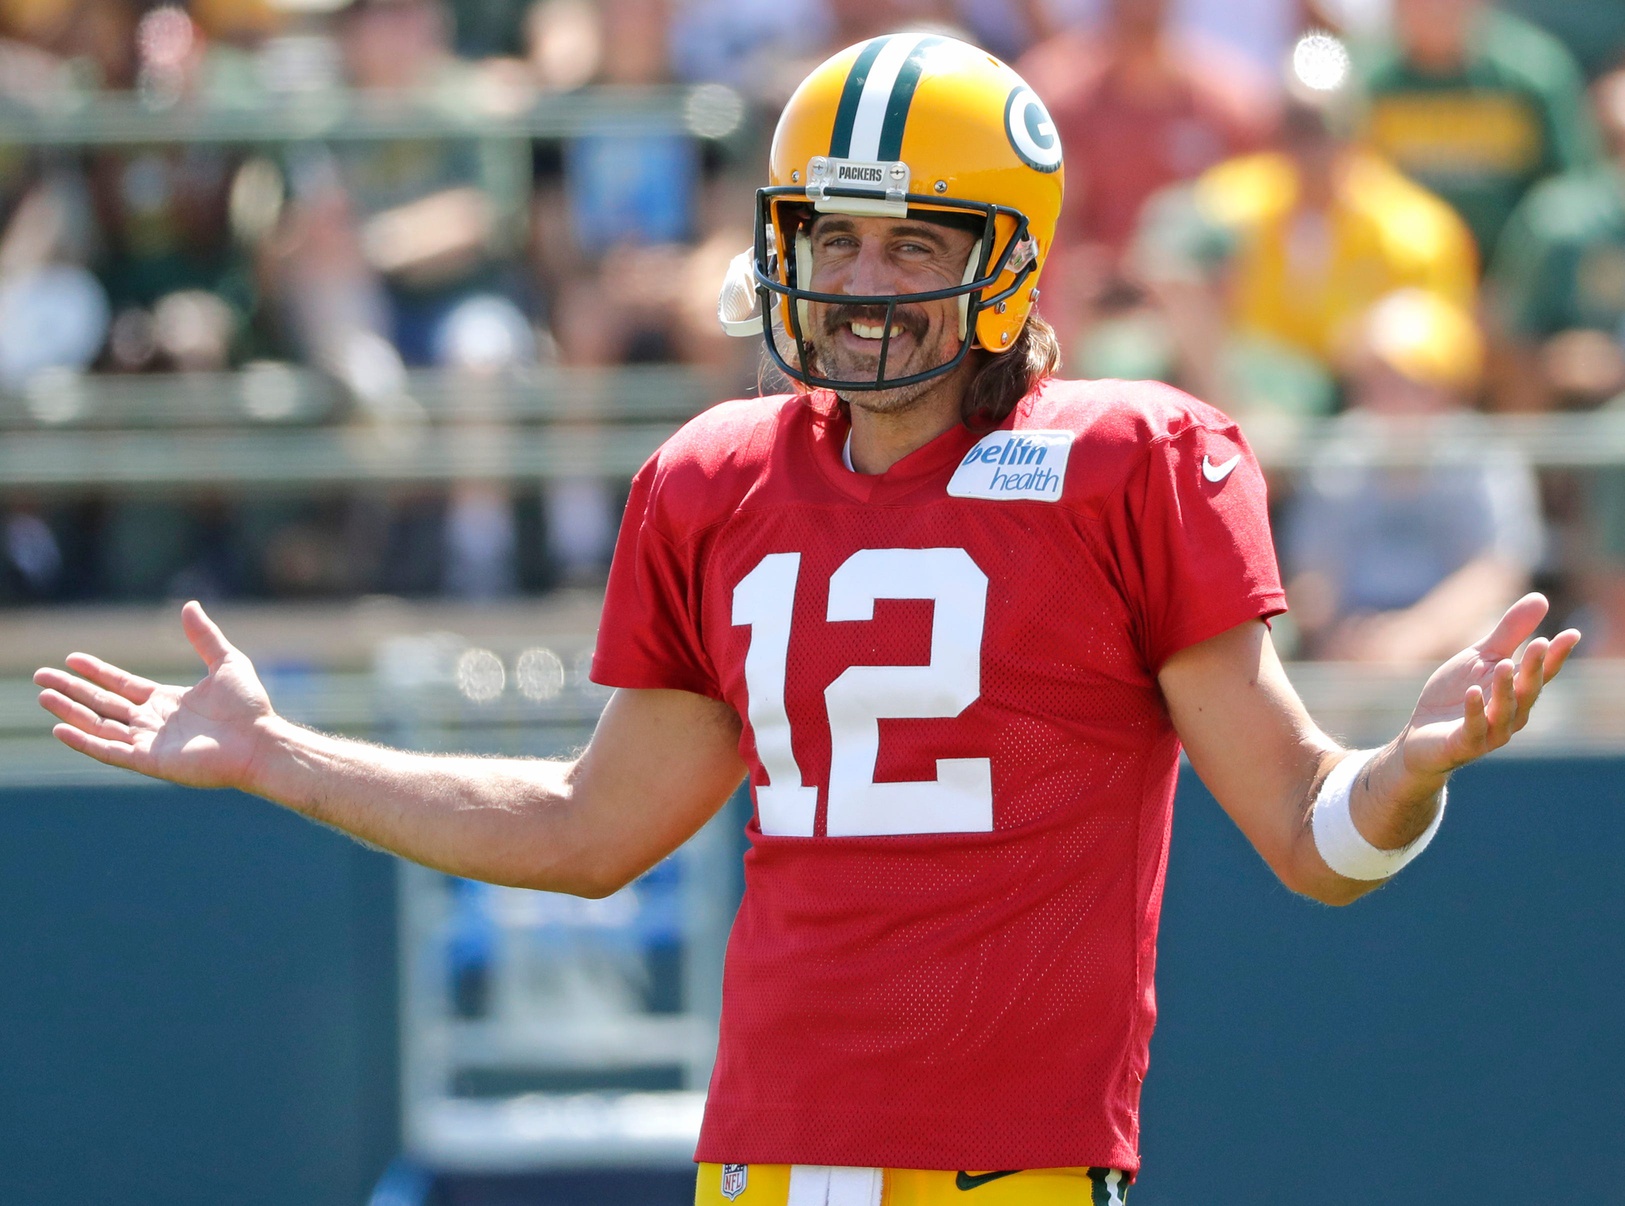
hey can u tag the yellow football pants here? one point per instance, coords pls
(769, 1185)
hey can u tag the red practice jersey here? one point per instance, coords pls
(962, 766)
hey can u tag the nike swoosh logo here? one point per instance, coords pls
(1217, 473)
(965, 1180)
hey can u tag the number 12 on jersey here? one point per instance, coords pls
(960, 798)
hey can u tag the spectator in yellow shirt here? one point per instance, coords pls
(1288, 248)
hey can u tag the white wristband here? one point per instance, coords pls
(1341, 844)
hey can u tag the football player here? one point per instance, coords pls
(954, 618)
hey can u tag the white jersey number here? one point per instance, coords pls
(960, 798)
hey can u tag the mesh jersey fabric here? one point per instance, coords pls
(979, 997)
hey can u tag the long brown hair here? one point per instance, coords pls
(1008, 377)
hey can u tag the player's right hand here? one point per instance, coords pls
(207, 735)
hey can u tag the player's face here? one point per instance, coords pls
(885, 257)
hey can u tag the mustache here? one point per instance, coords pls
(838, 316)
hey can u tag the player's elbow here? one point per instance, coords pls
(1327, 888)
(588, 862)
(1299, 866)
(562, 852)
(590, 882)
(591, 889)
(601, 880)
(1336, 896)
(576, 869)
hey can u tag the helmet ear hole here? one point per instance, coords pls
(738, 304)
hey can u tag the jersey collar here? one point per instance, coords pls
(831, 451)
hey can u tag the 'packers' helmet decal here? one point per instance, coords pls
(910, 125)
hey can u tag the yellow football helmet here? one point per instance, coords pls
(911, 125)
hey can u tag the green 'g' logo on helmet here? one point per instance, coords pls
(1031, 131)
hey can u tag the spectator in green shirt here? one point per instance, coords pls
(1558, 278)
(1559, 287)
(1476, 105)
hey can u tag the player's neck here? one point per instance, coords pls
(885, 435)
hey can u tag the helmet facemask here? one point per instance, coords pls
(783, 219)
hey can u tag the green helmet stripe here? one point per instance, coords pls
(846, 111)
(902, 96)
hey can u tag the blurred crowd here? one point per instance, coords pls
(1395, 215)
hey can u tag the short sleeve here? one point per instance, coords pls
(1200, 519)
(649, 635)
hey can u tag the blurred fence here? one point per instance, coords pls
(199, 1002)
(503, 122)
(1451, 1039)
(275, 426)
(473, 111)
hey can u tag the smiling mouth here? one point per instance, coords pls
(864, 330)
(871, 324)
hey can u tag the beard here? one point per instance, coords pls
(830, 358)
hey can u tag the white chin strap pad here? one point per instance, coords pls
(804, 269)
(964, 298)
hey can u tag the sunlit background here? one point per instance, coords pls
(353, 319)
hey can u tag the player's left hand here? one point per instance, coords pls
(1478, 699)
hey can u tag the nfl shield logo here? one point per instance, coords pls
(733, 1180)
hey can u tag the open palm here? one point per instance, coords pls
(1478, 699)
(203, 736)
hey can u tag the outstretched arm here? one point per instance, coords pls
(659, 765)
(1256, 748)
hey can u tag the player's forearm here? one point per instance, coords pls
(1391, 806)
(508, 821)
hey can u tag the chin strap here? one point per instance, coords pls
(804, 269)
(964, 298)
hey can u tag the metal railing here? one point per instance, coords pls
(272, 394)
(471, 110)
(275, 425)
(1546, 441)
